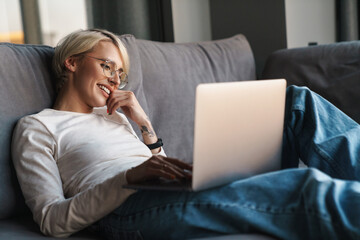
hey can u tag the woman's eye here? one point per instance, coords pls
(106, 67)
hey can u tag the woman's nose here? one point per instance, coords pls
(114, 80)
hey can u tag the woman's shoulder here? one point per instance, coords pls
(30, 124)
(46, 118)
(35, 117)
(38, 117)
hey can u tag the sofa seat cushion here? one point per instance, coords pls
(24, 228)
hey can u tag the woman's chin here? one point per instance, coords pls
(100, 104)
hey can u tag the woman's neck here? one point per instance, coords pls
(68, 101)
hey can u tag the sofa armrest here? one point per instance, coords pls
(331, 70)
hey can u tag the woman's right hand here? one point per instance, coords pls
(159, 166)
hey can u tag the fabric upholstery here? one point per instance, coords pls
(171, 73)
(26, 88)
(24, 228)
(135, 80)
(331, 70)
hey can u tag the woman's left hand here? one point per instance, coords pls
(127, 101)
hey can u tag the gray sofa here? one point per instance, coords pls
(164, 77)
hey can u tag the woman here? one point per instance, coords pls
(72, 160)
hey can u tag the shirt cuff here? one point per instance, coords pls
(162, 152)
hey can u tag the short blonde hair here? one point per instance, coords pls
(80, 42)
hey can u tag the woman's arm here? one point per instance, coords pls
(132, 109)
(34, 155)
(156, 166)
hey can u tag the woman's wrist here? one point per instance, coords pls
(145, 121)
(147, 132)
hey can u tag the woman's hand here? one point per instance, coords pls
(159, 166)
(127, 101)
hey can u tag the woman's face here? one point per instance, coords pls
(90, 83)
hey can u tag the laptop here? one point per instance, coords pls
(237, 134)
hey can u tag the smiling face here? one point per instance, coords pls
(88, 86)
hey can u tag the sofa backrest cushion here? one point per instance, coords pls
(171, 73)
(27, 87)
(331, 70)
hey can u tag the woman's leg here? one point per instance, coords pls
(321, 135)
(288, 204)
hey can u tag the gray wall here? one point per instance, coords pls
(261, 21)
(191, 20)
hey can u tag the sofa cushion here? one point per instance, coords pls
(171, 73)
(24, 228)
(332, 70)
(28, 87)
(135, 80)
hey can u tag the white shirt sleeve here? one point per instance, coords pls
(33, 151)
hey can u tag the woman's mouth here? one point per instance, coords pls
(105, 89)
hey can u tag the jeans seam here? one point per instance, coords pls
(265, 210)
(245, 206)
(330, 161)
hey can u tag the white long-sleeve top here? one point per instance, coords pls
(71, 166)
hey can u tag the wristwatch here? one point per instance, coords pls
(159, 143)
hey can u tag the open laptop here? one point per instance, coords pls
(238, 133)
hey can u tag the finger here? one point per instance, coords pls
(172, 168)
(157, 173)
(111, 103)
(117, 104)
(181, 169)
(177, 162)
(117, 96)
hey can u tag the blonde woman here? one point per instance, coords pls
(72, 160)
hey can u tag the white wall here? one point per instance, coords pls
(191, 19)
(310, 21)
(59, 18)
(10, 18)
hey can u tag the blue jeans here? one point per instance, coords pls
(319, 202)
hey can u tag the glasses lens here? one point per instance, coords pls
(108, 69)
(123, 80)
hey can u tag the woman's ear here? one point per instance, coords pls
(71, 63)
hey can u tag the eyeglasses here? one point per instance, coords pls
(110, 72)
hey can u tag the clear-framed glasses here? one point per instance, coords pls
(109, 69)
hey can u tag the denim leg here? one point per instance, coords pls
(320, 134)
(288, 204)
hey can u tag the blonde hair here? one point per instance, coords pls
(83, 41)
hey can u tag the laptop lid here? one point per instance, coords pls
(238, 130)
